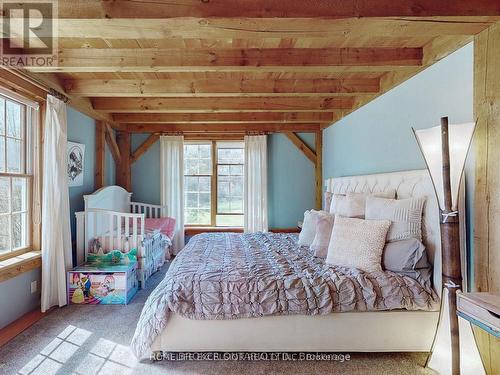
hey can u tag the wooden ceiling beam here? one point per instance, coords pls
(302, 146)
(223, 104)
(112, 144)
(220, 118)
(151, 140)
(215, 87)
(165, 60)
(257, 28)
(219, 128)
(274, 8)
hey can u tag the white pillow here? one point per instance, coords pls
(324, 226)
(353, 204)
(405, 215)
(308, 232)
(357, 243)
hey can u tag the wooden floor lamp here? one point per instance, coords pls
(445, 150)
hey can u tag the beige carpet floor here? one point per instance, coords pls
(95, 340)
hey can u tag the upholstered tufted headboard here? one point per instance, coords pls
(416, 183)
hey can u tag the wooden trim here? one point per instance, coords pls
(10, 331)
(252, 59)
(219, 128)
(191, 231)
(21, 86)
(285, 230)
(141, 150)
(19, 264)
(487, 180)
(81, 9)
(214, 136)
(37, 186)
(13, 254)
(111, 141)
(220, 118)
(100, 159)
(213, 186)
(219, 87)
(302, 146)
(319, 170)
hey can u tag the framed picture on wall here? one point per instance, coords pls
(76, 159)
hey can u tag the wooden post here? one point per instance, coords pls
(450, 250)
(100, 160)
(123, 167)
(319, 169)
(487, 180)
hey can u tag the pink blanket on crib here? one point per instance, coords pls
(165, 225)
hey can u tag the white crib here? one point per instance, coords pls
(113, 219)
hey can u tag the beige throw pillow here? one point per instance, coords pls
(357, 243)
(405, 215)
(353, 204)
(324, 226)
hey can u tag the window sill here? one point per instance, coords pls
(17, 265)
(191, 231)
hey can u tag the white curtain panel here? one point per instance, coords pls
(56, 234)
(256, 183)
(172, 184)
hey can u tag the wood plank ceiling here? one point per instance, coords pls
(248, 65)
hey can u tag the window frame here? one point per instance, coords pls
(26, 172)
(214, 184)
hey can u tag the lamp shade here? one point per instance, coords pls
(459, 138)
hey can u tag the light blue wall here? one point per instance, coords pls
(16, 297)
(290, 178)
(81, 129)
(146, 172)
(291, 181)
(378, 137)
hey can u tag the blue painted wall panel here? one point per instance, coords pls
(378, 137)
(16, 296)
(81, 129)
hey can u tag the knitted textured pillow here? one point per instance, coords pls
(357, 243)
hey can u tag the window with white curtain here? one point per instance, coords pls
(15, 176)
(214, 183)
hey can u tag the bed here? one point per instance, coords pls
(113, 221)
(402, 317)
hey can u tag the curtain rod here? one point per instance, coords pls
(208, 133)
(58, 95)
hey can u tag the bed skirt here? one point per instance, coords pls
(381, 331)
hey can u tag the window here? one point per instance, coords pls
(213, 183)
(15, 182)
